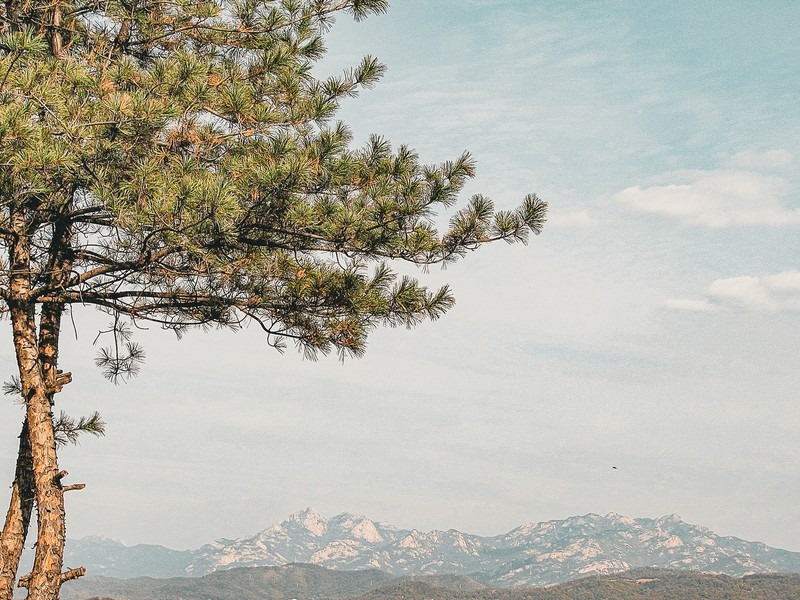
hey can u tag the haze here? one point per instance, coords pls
(652, 327)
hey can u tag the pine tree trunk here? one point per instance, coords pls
(44, 582)
(18, 518)
(23, 494)
(46, 578)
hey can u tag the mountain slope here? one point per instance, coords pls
(535, 554)
(312, 582)
(254, 583)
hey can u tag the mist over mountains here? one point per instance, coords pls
(535, 554)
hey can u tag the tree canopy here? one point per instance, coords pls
(183, 159)
(179, 162)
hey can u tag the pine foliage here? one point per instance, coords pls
(68, 428)
(178, 162)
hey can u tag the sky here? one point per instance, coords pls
(654, 326)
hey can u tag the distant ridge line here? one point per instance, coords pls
(530, 555)
(313, 581)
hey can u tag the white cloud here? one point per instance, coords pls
(716, 199)
(771, 293)
(755, 160)
(742, 291)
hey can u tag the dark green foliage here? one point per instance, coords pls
(68, 428)
(177, 162)
(640, 584)
(290, 581)
(306, 582)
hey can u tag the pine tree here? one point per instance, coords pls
(177, 162)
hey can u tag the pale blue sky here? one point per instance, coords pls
(653, 326)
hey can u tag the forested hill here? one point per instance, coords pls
(308, 582)
(632, 585)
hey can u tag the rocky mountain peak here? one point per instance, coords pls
(669, 521)
(310, 520)
(355, 526)
(534, 554)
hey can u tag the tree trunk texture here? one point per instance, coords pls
(35, 369)
(56, 43)
(45, 579)
(23, 494)
(18, 518)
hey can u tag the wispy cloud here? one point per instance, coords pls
(569, 219)
(716, 199)
(759, 160)
(771, 293)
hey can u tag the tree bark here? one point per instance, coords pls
(18, 518)
(56, 42)
(23, 493)
(46, 578)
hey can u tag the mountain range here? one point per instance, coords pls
(535, 554)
